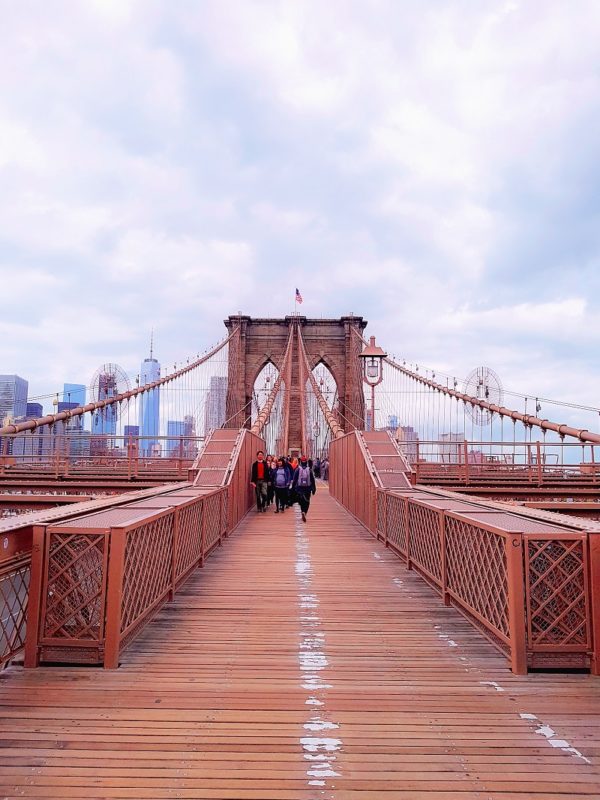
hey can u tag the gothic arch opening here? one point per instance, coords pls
(262, 387)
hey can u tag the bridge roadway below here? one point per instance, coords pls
(303, 661)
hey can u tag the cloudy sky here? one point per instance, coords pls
(433, 165)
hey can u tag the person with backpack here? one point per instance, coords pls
(303, 483)
(281, 482)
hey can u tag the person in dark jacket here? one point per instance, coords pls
(303, 484)
(259, 479)
(281, 483)
(271, 464)
(290, 473)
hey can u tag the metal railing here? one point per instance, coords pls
(353, 479)
(14, 591)
(86, 454)
(471, 462)
(15, 561)
(531, 587)
(98, 579)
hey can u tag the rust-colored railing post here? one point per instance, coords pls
(174, 553)
(203, 532)
(408, 532)
(67, 455)
(129, 448)
(57, 457)
(516, 603)
(180, 458)
(220, 523)
(224, 511)
(593, 541)
(386, 498)
(443, 558)
(36, 593)
(538, 455)
(114, 597)
(466, 457)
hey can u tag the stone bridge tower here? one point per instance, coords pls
(330, 341)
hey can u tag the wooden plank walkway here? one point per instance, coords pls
(303, 661)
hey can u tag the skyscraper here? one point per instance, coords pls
(104, 420)
(77, 437)
(408, 438)
(175, 432)
(74, 393)
(214, 414)
(13, 398)
(180, 442)
(451, 447)
(149, 405)
(34, 446)
(34, 411)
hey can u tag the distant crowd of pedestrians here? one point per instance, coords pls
(286, 480)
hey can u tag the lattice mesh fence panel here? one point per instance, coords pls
(189, 543)
(476, 571)
(425, 545)
(14, 593)
(75, 592)
(212, 511)
(396, 522)
(558, 612)
(147, 574)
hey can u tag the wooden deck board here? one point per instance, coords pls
(302, 663)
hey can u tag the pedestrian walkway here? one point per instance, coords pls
(302, 662)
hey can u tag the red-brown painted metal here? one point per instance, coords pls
(101, 577)
(522, 581)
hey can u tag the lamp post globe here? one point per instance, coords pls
(372, 357)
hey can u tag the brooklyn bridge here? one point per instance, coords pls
(432, 631)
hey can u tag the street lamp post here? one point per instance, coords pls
(372, 358)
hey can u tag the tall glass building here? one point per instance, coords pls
(214, 412)
(74, 393)
(104, 420)
(13, 398)
(180, 441)
(176, 430)
(149, 407)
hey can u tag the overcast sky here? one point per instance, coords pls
(433, 166)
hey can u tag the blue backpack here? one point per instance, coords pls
(303, 477)
(280, 478)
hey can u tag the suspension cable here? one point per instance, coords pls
(529, 420)
(51, 419)
(265, 411)
(333, 424)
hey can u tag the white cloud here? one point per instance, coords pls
(170, 164)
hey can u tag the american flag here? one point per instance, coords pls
(298, 296)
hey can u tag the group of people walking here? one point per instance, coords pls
(285, 480)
